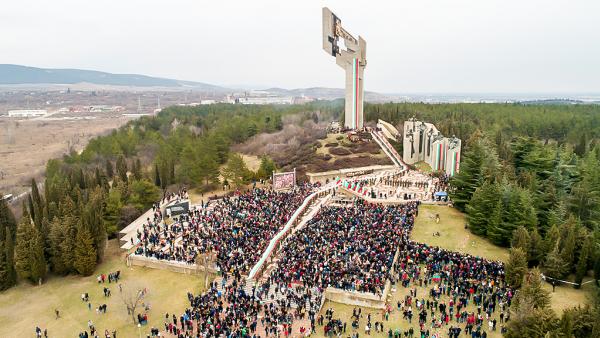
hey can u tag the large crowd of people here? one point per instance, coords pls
(237, 229)
(350, 248)
(404, 185)
(353, 248)
(463, 279)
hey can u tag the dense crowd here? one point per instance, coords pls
(231, 310)
(236, 228)
(350, 248)
(405, 185)
(462, 278)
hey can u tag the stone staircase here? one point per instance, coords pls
(388, 149)
(271, 296)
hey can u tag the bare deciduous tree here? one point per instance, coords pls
(205, 262)
(132, 296)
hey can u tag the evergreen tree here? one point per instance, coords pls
(583, 261)
(267, 167)
(533, 290)
(110, 172)
(536, 248)
(165, 176)
(546, 200)
(35, 195)
(143, 194)
(516, 267)
(29, 252)
(122, 168)
(568, 242)
(515, 210)
(58, 234)
(85, 252)
(98, 177)
(552, 239)
(521, 239)
(29, 207)
(577, 322)
(8, 272)
(529, 322)
(252, 129)
(584, 201)
(137, 169)
(156, 176)
(581, 147)
(555, 266)
(67, 247)
(480, 164)
(209, 168)
(112, 211)
(92, 218)
(235, 170)
(482, 208)
(172, 171)
(530, 308)
(8, 229)
(189, 170)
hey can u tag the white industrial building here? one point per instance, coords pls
(27, 113)
(265, 100)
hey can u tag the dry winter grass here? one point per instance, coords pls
(453, 236)
(25, 306)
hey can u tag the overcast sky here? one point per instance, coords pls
(413, 46)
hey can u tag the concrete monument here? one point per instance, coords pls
(353, 60)
(424, 143)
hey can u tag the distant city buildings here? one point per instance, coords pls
(265, 97)
(69, 111)
(424, 143)
(252, 97)
(27, 113)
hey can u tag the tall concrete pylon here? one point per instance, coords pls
(353, 59)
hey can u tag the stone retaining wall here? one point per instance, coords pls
(179, 267)
(355, 298)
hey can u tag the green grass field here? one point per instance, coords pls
(24, 307)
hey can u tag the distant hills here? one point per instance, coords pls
(18, 75)
(44, 78)
(323, 93)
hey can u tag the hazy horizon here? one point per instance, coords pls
(461, 47)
